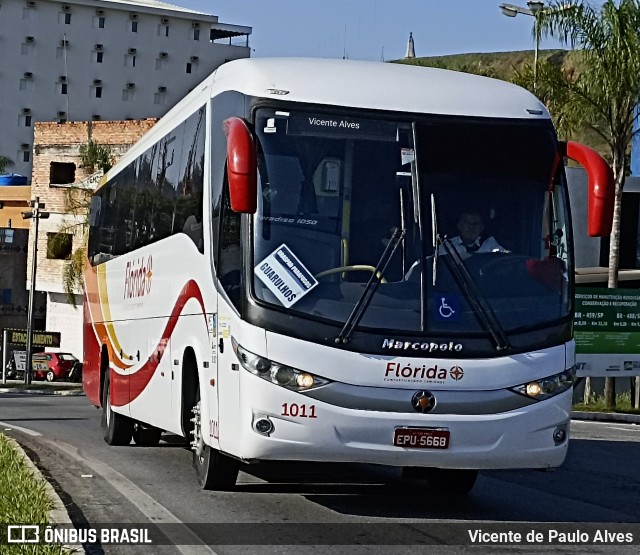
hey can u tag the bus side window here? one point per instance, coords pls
(230, 258)
(189, 200)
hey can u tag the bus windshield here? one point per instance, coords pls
(481, 206)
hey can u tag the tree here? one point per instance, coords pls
(604, 94)
(94, 155)
(78, 202)
(5, 163)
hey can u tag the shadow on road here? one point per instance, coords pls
(597, 483)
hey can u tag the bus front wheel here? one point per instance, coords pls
(214, 470)
(117, 429)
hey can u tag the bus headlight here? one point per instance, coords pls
(276, 373)
(545, 388)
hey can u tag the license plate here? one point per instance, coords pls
(421, 438)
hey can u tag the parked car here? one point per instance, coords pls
(53, 366)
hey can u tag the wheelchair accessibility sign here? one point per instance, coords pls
(446, 307)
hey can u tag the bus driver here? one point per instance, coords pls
(470, 239)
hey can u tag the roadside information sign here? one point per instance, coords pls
(607, 332)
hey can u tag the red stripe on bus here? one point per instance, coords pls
(125, 389)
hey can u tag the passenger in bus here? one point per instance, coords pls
(471, 239)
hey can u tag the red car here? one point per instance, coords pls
(52, 366)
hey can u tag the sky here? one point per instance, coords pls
(374, 29)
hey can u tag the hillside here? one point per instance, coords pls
(501, 65)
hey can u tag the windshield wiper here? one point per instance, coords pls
(370, 288)
(476, 299)
(436, 236)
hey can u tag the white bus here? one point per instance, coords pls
(272, 273)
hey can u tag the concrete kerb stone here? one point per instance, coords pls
(64, 393)
(606, 417)
(58, 515)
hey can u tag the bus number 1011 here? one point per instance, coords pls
(299, 411)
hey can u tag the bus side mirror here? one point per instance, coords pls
(241, 166)
(601, 186)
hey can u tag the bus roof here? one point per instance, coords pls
(355, 84)
(378, 85)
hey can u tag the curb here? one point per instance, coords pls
(606, 417)
(65, 393)
(58, 515)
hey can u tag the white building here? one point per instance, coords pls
(78, 60)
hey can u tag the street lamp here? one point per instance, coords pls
(37, 214)
(511, 10)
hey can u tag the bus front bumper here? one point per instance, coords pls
(305, 429)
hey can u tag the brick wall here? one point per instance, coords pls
(54, 142)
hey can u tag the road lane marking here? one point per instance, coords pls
(186, 541)
(20, 429)
(148, 506)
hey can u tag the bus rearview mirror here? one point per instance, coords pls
(241, 166)
(601, 187)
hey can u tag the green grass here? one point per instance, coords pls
(23, 500)
(597, 404)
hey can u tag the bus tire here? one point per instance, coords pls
(214, 470)
(146, 436)
(451, 481)
(117, 429)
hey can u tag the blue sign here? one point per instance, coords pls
(446, 307)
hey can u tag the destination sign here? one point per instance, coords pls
(341, 127)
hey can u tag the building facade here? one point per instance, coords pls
(60, 181)
(83, 60)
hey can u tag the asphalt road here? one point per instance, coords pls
(289, 504)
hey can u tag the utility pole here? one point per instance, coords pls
(36, 213)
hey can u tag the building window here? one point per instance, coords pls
(160, 98)
(6, 235)
(6, 296)
(63, 88)
(99, 57)
(26, 84)
(101, 23)
(134, 26)
(163, 30)
(59, 246)
(67, 18)
(188, 67)
(127, 95)
(26, 156)
(98, 92)
(27, 121)
(62, 173)
(196, 34)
